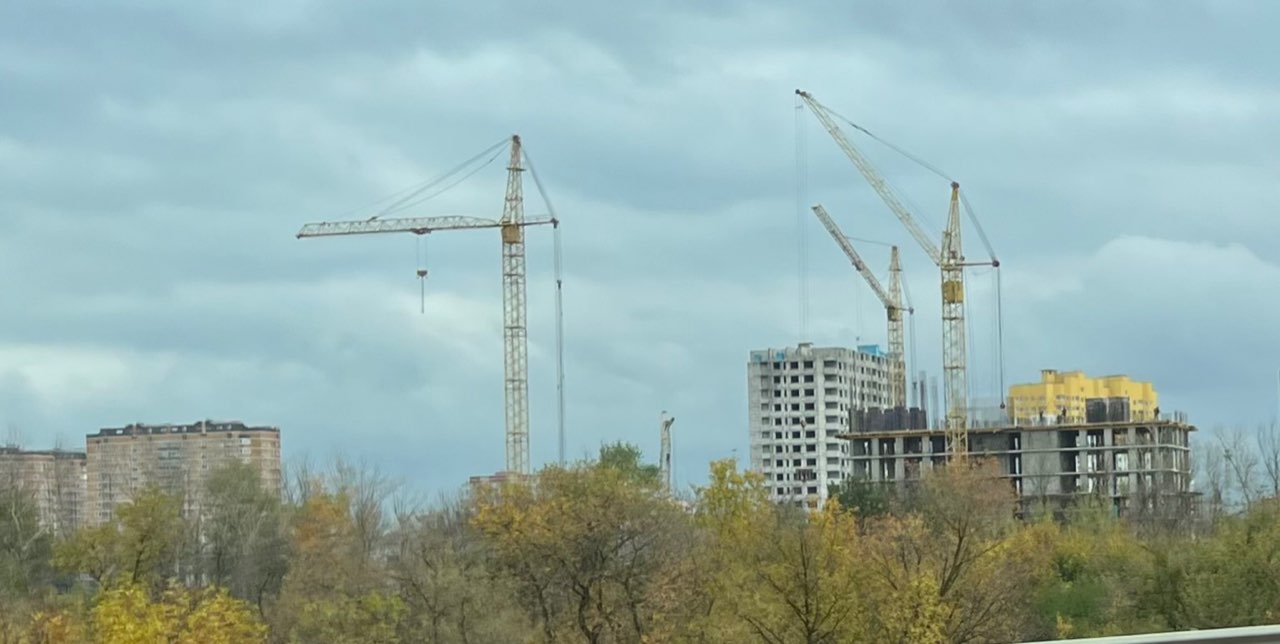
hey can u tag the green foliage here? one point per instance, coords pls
(865, 498)
(625, 458)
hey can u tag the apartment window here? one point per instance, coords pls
(831, 404)
(777, 421)
(810, 420)
(777, 406)
(829, 363)
(830, 391)
(797, 462)
(810, 434)
(813, 489)
(833, 419)
(808, 406)
(796, 420)
(811, 447)
(795, 378)
(779, 462)
(777, 477)
(808, 392)
(795, 406)
(795, 393)
(808, 364)
(795, 434)
(777, 449)
(795, 365)
(808, 378)
(777, 380)
(833, 475)
(811, 462)
(777, 393)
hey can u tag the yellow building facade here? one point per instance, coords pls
(1046, 400)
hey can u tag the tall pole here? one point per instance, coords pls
(514, 328)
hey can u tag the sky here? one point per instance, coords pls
(157, 159)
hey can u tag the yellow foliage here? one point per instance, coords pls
(128, 615)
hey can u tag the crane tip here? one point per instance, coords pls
(955, 185)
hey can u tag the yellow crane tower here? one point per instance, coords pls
(891, 298)
(515, 332)
(951, 262)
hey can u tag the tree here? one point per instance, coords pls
(243, 546)
(128, 615)
(774, 574)
(440, 568)
(26, 547)
(866, 499)
(139, 546)
(595, 549)
(953, 558)
(333, 592)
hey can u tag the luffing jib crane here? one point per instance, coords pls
(949, 259)
(891, 298)
(515, 332)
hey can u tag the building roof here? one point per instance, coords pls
(198, 427)
(1021, 428)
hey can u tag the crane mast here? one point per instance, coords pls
(515, 330)
(891, 299)
(950, 261)
(665, 458)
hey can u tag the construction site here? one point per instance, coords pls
(823, 416)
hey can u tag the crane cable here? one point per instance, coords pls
(404, 203)
(559, 283)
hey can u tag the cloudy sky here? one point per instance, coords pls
(156, 159)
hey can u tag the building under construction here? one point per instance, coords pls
(1134, 464)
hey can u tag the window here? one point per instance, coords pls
(828, 363)
(811, 462)
(831, 404)
(776, 422)
(813, 489)
(795, 393)
(777, 449)
(811, 447)
(833, 419)
(795, 434)
(779, 462)
(777, 406)
(808, 364)
(795, 406)
(808, 378)
(795, 365)
(797, 462)
(832, 461)
(810, 420)
(808, 406)
(810, 434)
(777, 393)
(777, 380)
(795, 378)
(808, 392)
(777, 477)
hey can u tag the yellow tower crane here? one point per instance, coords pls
(950, 260)
(891, 298)
(515, 331)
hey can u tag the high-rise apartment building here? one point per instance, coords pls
(54, 479)
(177, 458)
(799, 400)
(1073, 397)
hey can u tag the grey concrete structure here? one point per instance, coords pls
(1133, 464)
(799, 400)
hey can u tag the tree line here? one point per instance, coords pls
(598, 552)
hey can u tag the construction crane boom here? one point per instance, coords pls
(891, 299)
(950, 260)
(416, 225)
(872, 176)
(515, 332)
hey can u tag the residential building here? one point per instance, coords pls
(1073, 397)
(56, 481)
(178, 458)
(799, 400)
(1135, 464)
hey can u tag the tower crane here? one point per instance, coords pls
(949, 257)
(890, 298)
(665, 458)
(515, 332)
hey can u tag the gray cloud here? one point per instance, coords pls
(156, 160)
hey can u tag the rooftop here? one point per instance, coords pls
(1174, 420)
(198, 427)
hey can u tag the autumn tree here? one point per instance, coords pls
(440, 567)
(951, 562)
(129, 614)
(595, 549)
(140, 545)
(242, 545)
(333, 591)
